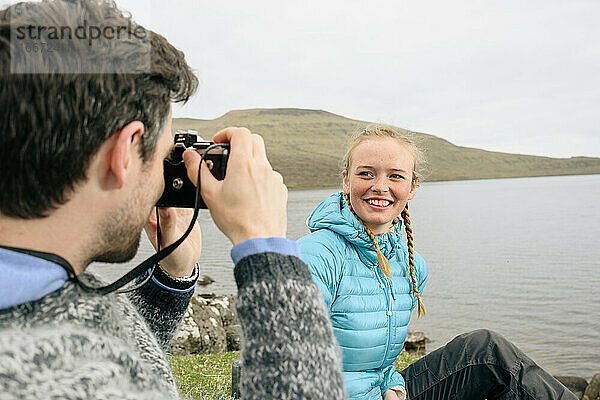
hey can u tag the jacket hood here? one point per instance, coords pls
(334, 214)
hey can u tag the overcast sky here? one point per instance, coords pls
(507, 75)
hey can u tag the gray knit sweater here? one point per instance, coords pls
(76, 345)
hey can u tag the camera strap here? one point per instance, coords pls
(148, 264)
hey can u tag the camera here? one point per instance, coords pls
(179, 190)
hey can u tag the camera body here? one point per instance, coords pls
(179, 190)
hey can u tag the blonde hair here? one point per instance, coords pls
(382, 131)
(377, 131)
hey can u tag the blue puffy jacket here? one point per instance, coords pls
(368, 311)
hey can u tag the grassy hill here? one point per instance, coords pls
(306, 146)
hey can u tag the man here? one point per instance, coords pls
(83, 134)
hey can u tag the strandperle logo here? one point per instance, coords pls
(89, 44)
(84, 31)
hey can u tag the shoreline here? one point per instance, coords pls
(317, 187)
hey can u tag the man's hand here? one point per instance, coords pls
(173, 224)
(251, 201)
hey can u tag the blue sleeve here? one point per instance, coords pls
(167, 282)
(322, 265)
(391, 377)
(262, 245)
(422, 272)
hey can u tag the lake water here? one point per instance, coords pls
(519, 256)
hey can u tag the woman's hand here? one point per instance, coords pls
(391, 394)
(173, 224)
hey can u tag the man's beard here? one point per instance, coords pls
(121, 232)
(120, 251)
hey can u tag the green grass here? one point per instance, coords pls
(204, 376)
(404, 360)
(208, 376)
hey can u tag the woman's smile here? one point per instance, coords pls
(379, 181)
(379, 204)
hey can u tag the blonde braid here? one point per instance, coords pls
(411, 262)
(384, 265)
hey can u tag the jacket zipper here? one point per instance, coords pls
(389, 315)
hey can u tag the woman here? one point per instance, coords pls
(371, 281)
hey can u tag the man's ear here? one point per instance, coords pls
(125, 149)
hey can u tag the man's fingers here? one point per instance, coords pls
(166, 219)
(240, 140)
(208, 184)
(191, 158)
(184, 214)
(152, 217)
(232, 133)
(150, 227)
(278, 177)
(243, 144)
(258, 147)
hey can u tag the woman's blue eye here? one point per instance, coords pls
(396, 176)
(364, 173)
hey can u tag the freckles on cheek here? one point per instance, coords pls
(355, 197)
(358, 189)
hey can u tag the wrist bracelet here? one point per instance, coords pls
(194, 275)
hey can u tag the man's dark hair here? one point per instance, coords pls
(53, 123)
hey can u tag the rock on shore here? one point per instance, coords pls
(416, 342)
(592, 392)
(208, 326)
(575, 384)
(580, 387)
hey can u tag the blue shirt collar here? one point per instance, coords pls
(25, 278)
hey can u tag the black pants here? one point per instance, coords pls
(480, 365)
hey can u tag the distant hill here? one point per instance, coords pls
(306, 147)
